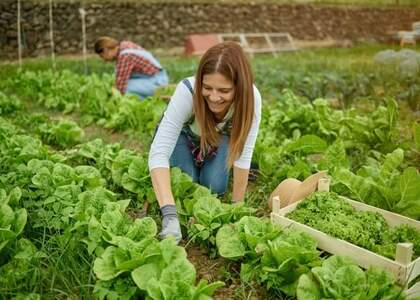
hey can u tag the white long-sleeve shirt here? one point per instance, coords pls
(178, 112)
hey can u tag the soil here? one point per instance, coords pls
(219, 269)
(110, 137)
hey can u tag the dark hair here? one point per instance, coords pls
(105, 42)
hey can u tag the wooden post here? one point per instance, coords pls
(82, 12)
(324, 185)
(52, 34)
(276, 204)
(19, 35)
(404, 253)
(270, 44)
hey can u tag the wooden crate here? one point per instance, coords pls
(403, 268)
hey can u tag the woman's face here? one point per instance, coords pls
(218, 91)
(109, 54)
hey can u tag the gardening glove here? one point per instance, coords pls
(170, 223)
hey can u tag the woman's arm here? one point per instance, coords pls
(241, 166)
(244, 161)
(176, 114)
(161, 181)
(240, 182)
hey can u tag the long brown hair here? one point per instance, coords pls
(229, 60)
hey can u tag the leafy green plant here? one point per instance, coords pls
(12, 217)
(340, 278)
(9, 104)
(167, 274)
(23, 269)
(384, 185)
(208, 215)
(64, 133)
(269, 256)
(159, 269)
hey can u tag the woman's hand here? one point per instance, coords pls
(161, 180)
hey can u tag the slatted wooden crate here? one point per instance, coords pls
(403, 267)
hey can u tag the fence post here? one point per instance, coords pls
(82, 12)
(52, 34)
(19, 37)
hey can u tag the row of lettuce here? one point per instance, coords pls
(348, 85)
(49, 195)
(77, 197)
(366, 156)
(91, 97)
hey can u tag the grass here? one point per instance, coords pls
(358, 58)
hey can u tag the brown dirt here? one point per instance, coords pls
(219, 269)
(93, 131)
(128, 141)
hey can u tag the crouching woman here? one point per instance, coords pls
(210, 126)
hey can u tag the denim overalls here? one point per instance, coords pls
(209, 169)
(144, 85)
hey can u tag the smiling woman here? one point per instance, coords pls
(207, 130)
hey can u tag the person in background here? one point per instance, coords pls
(209, 127)
(137, 70)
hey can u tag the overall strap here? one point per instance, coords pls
(143, 53)
(187, 83)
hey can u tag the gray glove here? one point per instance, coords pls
(170, 223)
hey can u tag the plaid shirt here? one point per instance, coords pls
(130, 63)
(194, 144)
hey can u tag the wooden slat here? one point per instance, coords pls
(287, 209)
(413, 292)
(267, 50)
(267, 36)
(413, 270)
(270, 44)
(289, 37)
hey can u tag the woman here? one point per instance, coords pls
(208, 129)
(138, 72)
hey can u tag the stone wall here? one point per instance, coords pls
(161, 25)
